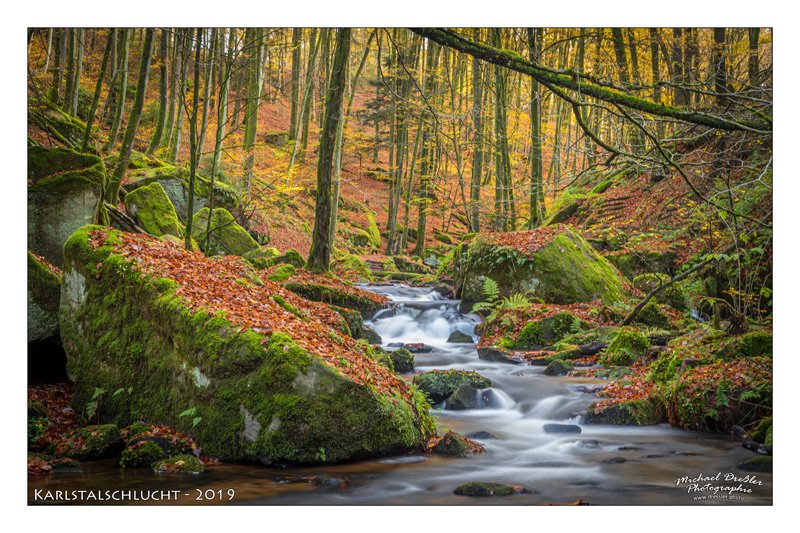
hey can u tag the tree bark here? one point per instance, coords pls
(321, 245)
(112, 190)
(296, 41)
(477, 140)
(163, 92)
(194, 152)
(753, 69)
(123, 87)
(536, 191)
(96, 97)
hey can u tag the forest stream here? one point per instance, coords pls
(608, 465)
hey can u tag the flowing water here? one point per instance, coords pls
(606, 465)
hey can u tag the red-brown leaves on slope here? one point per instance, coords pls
(214, 285)
(307, 278)
(54, 269)
(57, 401)
(528, 241)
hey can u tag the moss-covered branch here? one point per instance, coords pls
(578, 82)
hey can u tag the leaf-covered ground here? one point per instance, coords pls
(222, 285)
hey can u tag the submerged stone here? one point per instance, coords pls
(561, 428)
(486, 489)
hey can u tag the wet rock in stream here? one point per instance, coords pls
(485, 489)
(561, 428)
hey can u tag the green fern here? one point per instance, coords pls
(490, 289)
(515, 301)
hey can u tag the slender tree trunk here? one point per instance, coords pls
(297, 34)
(112, 190)
(123, 87)
(180, 93)
(58, 68)
(637, 77)
(79, 40)
(222, 118)
(502, 162)
(96, 97)
(477, 139)
(305, 113)
(753, 70)
(163, 92)
(680, 95)
(70, 87)
(175, 59)
(719, 60)
(321, 245)
(536, 192)
(210, 62)
(251, 107)
(46, 66)
(619, 55)
(194, 151)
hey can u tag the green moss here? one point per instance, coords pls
(755, 344)
(759, 463)
(93, 442)
(373, 231)
(44, 294)
(566, 270)
(258, 401)
(626, 347)
(652, 315)
(282, 273)
(402, 361)
(142, 454)
(635, 412)
(353, 264)
(674, 295)
(137, 428)
(184, 464)
(262, 257)
(548, 331)
(64, 193)
(763, 429)
(437, 385)
(486, 489)
(227, 237)
(152, 210)
(64, 127)
(558, 367)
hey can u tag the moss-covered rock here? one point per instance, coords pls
(486, 489)
(182, 464)
(44, 293)
(455, 445)
(351, 299)
(282, 273)
(175, 182)
(464, 397)
(257, 398)
(152, 210)
(626, 347)
(759, 463)
(64, 127)
(633, 413)
(227, 237)
(652, 315)
(548, 331)
(92, 442)
(763, 429)
(353, 266)
(65, 191)
(402, 361)
(558, 367)
(141, 454)
(438, 385)
(565, 270)
(755, 344)
(262, 257)
(674, 295)
(459, 337)
(632, 264)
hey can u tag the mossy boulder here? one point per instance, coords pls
(152, 210)
(631, 264)
(282, 273)
(438, 385)
(262, 256)
(64, 127)
(485, 489)
(175, 182)
(181, 464)
(459, 337)
(631, 413)
(227, 237)
(259, 398)
(141, 454)
(558, 367)
(674, 295)
(464, 397)
(456, 445)
(402, 361)
(65, 191)
(548, 331)
(763, 430)
(351, 299)
(626, 347)
(565, 270)
(652, 315)
(353, 266)
(44, 294)
(92, 442)
(755, 344)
